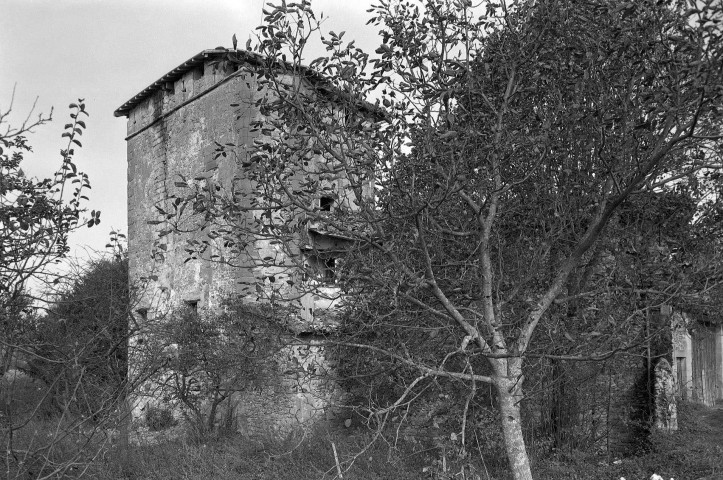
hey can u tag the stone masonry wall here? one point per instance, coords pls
(174, 131)
(162, 144)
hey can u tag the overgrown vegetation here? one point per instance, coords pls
(51, 422)
(694, 452)
(86, 326)
(63, 391)
(200, 364)
(522, 157)
(546, 177)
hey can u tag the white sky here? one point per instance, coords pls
(106, 51)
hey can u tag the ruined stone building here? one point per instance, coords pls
(174, 127)
(697, 359)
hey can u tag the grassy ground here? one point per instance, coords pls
(236, 458)
(694, 452)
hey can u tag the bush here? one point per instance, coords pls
(159, 418)
(80, 347)
(207, 358)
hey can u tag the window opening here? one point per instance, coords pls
(193, 305)
(322, 268)
(329, 272)
(325, 203)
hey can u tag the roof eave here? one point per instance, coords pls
(173, 75)
(321, 83)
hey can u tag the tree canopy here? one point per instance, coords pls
(482, 192)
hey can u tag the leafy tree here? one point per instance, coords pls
(505, 142)
(36, 216)
(80, 346)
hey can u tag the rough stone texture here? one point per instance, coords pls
(682, 365)
(287, 401)
(666, 411)
(172, 132)
(164, 144)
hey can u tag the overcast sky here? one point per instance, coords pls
(106, 52)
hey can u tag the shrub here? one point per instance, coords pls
(80, 347)
(159, 418)
(207, 359)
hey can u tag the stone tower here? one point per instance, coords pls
(174, 128)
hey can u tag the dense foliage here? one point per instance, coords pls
(79, 347)
(491, 201)
(36, 217)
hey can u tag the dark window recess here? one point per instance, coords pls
(192, 305)
(325, 203)
(329, 272)
(322, 269)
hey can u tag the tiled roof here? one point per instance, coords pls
(240, 56)
(174, 75)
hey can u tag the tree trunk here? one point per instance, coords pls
(6, 358)
(217, 399)
(509, 396)
(124, 421)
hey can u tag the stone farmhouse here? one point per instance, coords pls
(174, 127)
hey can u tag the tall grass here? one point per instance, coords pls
(294, 457)
(43, 439)
(50, 443)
